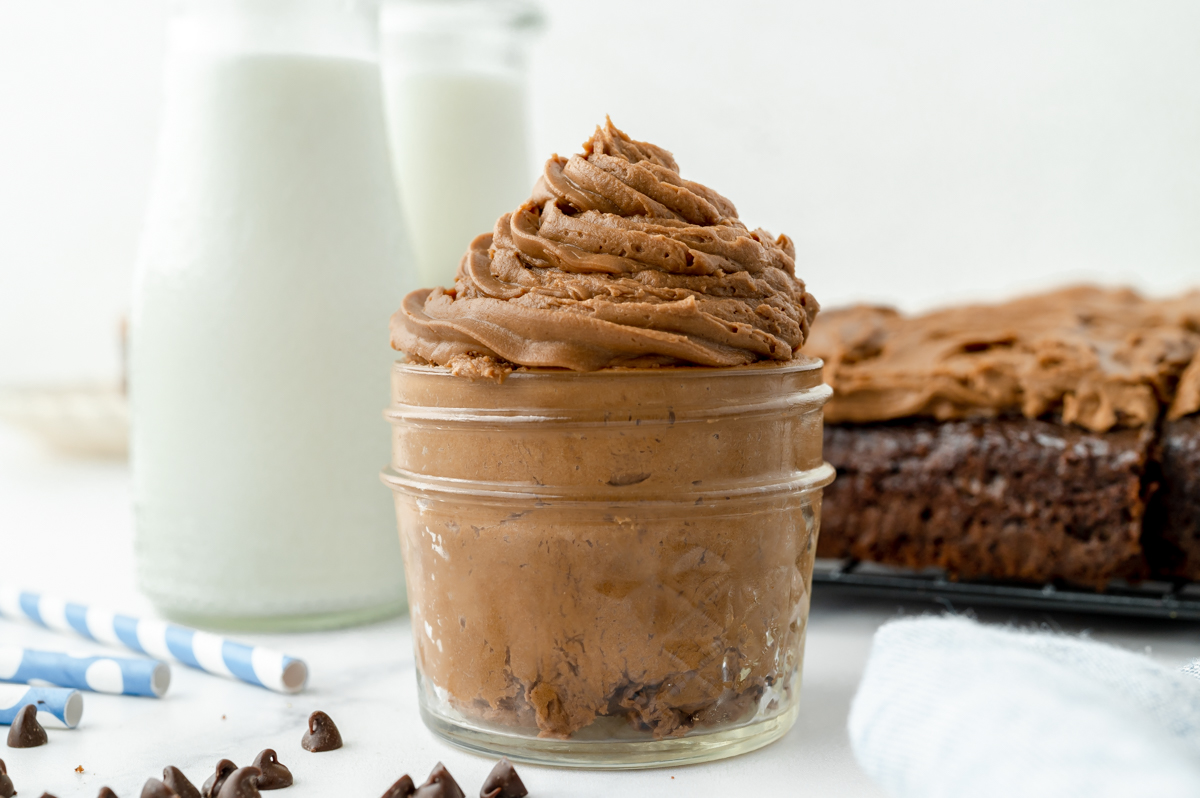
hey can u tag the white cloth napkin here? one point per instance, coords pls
(950, 707)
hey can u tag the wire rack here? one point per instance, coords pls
(1151, 599)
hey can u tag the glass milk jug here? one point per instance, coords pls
(454, 75)
(271, 258)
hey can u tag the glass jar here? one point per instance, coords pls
(609, 569)
(458, 116)
(272, 256)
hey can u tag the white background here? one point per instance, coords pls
(919, 152)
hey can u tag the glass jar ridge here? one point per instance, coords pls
(609, 569)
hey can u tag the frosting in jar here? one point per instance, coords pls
(615, 260)
(1098, 358)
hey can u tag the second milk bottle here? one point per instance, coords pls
(271, 259)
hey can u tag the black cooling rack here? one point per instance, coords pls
(1147, 600)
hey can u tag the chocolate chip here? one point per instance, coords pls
(322, 734)
(440, 784)
(212, 785)
(153, 788)
(503, 782)
(25, 731)
(6, 785)
(48, 795)
(275, 775)
(105, 792)
(624, 480)
(242, 783)
(178, 783)
(401, 789)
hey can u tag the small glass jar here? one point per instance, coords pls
(609, 569)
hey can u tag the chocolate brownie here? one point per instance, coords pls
(1027, 440)
(1174, 546)
(1010, 498)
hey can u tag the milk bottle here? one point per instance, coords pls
(271, 259)
(457, 111)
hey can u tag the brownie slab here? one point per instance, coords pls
(1175, 550)
(1015, 499)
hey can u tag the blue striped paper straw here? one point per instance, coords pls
(57, 707)
(117, 675)
(202, 650)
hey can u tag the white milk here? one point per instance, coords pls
(271, 261)
(459, 145)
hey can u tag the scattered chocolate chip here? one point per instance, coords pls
(242, 783)
(6, 785)
(25, 731)
(275, 775)
(503, 782)
(322, 734)
(105, 792)
(624, 480)
(178, 783)
(401, 789)
(440, 784)
(48, 795)
(153, 788)
(213, 785)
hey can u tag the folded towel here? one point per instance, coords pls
(950, 707)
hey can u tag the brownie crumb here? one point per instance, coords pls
(479, 367)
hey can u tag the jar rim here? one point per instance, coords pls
(797, 365)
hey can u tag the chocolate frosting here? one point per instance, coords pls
(1187, 397)
(1099, 358)
(615, 260)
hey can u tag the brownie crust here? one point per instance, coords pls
(1018, 499)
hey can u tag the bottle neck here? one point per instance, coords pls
(473, 35)
(346, 28)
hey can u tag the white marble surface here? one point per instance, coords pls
(65, 528)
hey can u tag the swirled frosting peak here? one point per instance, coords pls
(615, 260)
